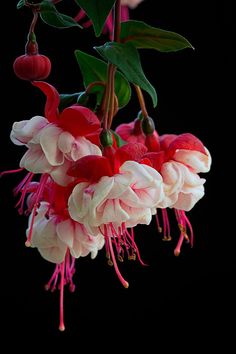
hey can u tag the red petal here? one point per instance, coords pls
(79, 121)
(186, 141)
(130, 151)
(95, 137)
(52, 102)
(156, 158)
(166, 139)
(146, 161)
(152, 142)
(91, 168)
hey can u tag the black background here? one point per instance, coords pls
(172, 300)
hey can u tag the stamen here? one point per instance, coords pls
(166, 226)
(122, 280)
(53, 279)
(10, 172)
(159, 228)
(62, 283)
(190, 228)
(23, 183)
(135, 247)
(39, 192)
(180, 216)
(24, 190)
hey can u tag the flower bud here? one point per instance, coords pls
(106, 138)
(137, 130)
(32, 65)
(148, 126)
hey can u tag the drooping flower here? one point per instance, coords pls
(58, 238)
(113, 193)
(179, 161)
(57, 141)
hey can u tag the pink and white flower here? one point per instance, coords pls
(127, 197)
(58, 238)
(52, 236)
(56, 142)
(179, 161)
(115, 193)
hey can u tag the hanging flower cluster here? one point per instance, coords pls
(86, 186)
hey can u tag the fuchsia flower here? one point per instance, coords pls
(58, 238)
(54, 232)
(58, 140)
(179, 161)
(115, 192)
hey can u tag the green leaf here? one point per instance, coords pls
(126, 57)
(67, 99)
(97, 11)
(94, 69)
(20, 4)
(54, 18)
(142, 35)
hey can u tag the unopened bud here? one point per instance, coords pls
(106, 138)
(148, 126)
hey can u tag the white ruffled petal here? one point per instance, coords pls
(35, 161)
(22, 132)
(83, 147)
(66, 232)
(196, 160)
(49, 141)
(65, 142)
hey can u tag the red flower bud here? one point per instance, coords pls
(32, 67)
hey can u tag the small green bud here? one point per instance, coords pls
(106, 138)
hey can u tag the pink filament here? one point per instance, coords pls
(24, 190)
(111, 251)
(182, 221)
(62, 283)
(190, 228)
(166, 224)
(23, 183)
(39, 192)
(10, 172)
(134, 245)
(53, 279)
(159, 228)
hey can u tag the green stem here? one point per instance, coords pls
(112, 71)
